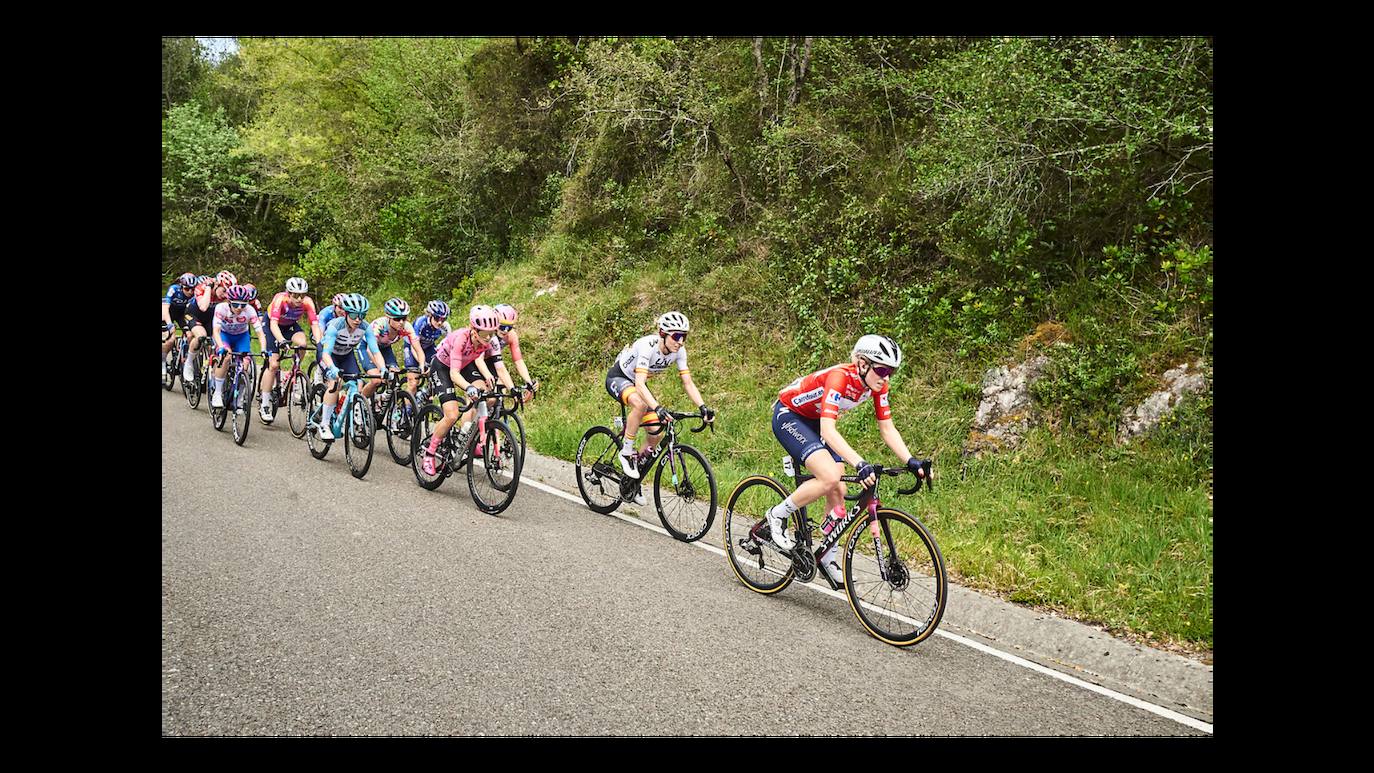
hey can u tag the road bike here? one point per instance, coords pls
(493, 476)
(686, 507)
(396, 414)
(895, 579)
(290, 390)
(194, 389)
(511, 415)
(239, 390)
(352, 421)
(171, 364)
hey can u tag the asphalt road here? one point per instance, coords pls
(325, 605)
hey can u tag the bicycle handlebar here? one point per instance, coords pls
(880, 471)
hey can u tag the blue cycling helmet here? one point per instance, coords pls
(437, 309)
(396, 308)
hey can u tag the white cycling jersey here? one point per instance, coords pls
(644, 355)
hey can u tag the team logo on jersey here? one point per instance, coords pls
(806, 397)
(835, 397)
(883, 400)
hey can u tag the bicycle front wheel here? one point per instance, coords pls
(494, 476)
(894, 576)
(297, 405)
(761, 568)
(598, 472)
(687, 503)
(193, 389)
(358, 432)
(242, 406)
(400, 416)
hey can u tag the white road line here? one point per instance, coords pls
(1184, 719)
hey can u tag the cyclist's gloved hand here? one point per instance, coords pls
(665, 416)
(864, 471)
(221, 351)
(331, 372)
(473, 391)
(166, 326)
(916, 466)
(707, 414)
(283, 347)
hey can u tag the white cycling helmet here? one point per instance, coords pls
(880, 350)
(673, 322)
(296, 285)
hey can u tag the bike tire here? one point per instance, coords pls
(595, 466)
(917, 574)
(217, 415)
(170, 369)
(242, 407)
(297, 405)
(425, 420)
(494, 478)
(517, 428)
(400, 418)
(319, 447)
(196, 389)
(684, 518)
(744, 527)
(358, 437)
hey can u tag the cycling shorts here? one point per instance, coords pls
(800, 436)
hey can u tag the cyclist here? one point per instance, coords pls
(253, 297)
(506, 317)
(232, 319)
(461, 364)
(284, 331)
(210, 292)
(430, 328)
(174, 310)
(390, 328)
(327, 316)
(804, 417)
(649, 355)
(341, 340)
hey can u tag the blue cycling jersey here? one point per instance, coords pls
(176, 296)
(428, 333)
(340, 341)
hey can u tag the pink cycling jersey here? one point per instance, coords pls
(286, 313)
(830, 392)
(460, 342)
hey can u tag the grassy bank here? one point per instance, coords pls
(1117, 537)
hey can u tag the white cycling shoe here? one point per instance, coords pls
(216, 399)
(627, 465)
(325, 432)
(777, 526)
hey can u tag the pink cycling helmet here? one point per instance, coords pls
(238, 293)
(483, 318)
(506, 313)
(226, 279)
(338, 299)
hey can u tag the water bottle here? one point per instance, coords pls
(619, 424)
(787, 468)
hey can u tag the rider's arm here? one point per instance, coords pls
(893, 439)
(374, 351)
(691, 389)
(503, 374)
(327, 346)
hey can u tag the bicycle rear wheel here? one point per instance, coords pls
(425, 420)
(494, 477)
(686, 505)
(895, 581)
(517, 428)
(598, 471)
(758, 565)
(318, 446)
(358, 436)
(399, 418)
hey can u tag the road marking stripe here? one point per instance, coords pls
(1184, 719)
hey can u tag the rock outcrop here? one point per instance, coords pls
(1188, 377)
(1007, 409)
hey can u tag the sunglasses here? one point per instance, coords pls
(236, 305)
(507, 328)
(678, 336)
(354, 315)
(296, 296)
(882, 370)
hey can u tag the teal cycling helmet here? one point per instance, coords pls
(396, 308)
(354, 303)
